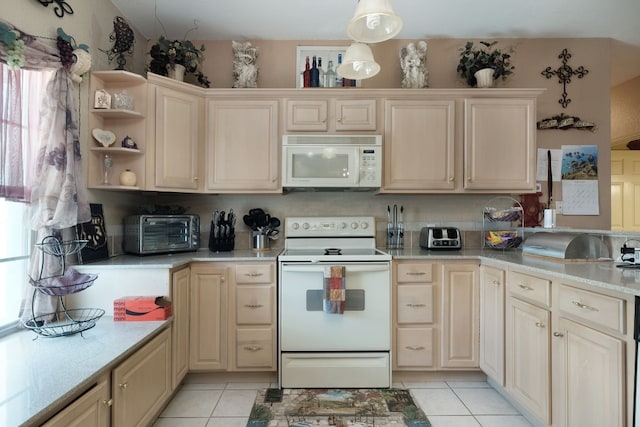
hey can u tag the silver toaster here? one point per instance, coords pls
(437, 238)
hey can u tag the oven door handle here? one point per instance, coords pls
(366, 268)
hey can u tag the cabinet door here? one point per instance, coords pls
(492, 284)
(307, 115)
(177, 140)
(208, 317)
(460, 318)
(255, 349)
(242, 146)
(625, 190)
(142, 383)
(92, 409)
(499, 144)
(355, 114)
(528, 358)
(419, 148)
(414, 348)
(589, 375)
(180, 327)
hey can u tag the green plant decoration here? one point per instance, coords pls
(475, 59)
(166, 53)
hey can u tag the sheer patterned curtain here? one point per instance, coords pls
(58, 196)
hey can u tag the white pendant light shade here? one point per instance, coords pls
(374, 21)
(358, 63)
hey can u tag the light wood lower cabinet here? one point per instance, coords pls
(92, 409)
(180, 280)
(208, 316)
(142, 384)
(492, 284)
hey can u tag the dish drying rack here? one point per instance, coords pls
(502, 223)
(65, 321)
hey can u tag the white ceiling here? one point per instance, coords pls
(423, 19)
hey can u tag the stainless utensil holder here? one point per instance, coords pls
(260, 242)
(395, 236)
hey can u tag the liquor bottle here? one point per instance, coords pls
(338, 78)
(321, 75)
(315, 73)
(330, 75)
(306, 74)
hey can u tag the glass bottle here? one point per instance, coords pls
(107, 163)
(306, 74)
(315, 73)
(330, 75)
(338, 77)
(321, 73)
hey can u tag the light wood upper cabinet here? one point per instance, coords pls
(176, 133)
(242, 146)
(419, 146)
(322, 115)
(625, 190)
(499, 144)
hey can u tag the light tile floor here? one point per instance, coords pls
(446, 403)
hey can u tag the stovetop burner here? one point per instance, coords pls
(333, 251)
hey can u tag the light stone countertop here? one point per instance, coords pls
(41, 375)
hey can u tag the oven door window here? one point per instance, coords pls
(322, 166)
(166, 234)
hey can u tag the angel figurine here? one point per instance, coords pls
(413, 63)
(245, 70)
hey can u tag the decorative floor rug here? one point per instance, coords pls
(336, 407)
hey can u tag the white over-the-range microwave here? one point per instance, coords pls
(331, 161)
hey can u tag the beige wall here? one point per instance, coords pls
(92, 22)
(625, 111)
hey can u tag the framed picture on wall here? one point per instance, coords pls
(96, 233)
(327, 53)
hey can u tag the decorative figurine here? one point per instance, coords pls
(413, 63)
(127, 142)
(245, 71)
(123, 40)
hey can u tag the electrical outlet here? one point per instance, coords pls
(558, 207)
(538, 187)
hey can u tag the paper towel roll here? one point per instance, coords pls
(549, 218)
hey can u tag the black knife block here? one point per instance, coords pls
(221, 244)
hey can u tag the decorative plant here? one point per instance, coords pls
(167, 53)
(475, 59)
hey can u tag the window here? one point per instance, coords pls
(15, 238)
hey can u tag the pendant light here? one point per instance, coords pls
(374, 21)
(358, 63)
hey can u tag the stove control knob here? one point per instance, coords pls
(295, 225)
(364, 225)
(305, 225)
(343, 225)
(354, 225)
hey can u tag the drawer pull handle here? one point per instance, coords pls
(584, 306)
(253, 274)
(253, 305)
(558, 334)
(123, 386)
(496, 282)
(107, 402)
(416, 305)
(410, 347)
(416, 273)
(540, 325)
(253, 348)
(525, 287)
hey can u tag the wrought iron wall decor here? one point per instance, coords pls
(564, 73)
(123, 39)
(563, 122)
(61, 8)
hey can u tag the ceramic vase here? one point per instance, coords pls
(128, 178)
(484, 77)
(81, 66)
(176, 72)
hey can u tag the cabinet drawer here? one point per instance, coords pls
(600, 310)
(254, 273)
(253, 305)
(531, 288)
(254, 348)
(414, 272)
(415, 304)
(414, 347)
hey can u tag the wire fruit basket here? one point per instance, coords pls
(66, 321)
(502, 223)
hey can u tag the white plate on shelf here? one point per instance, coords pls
(104, 137)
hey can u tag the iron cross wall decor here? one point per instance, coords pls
(61, 8)
(564, 73)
